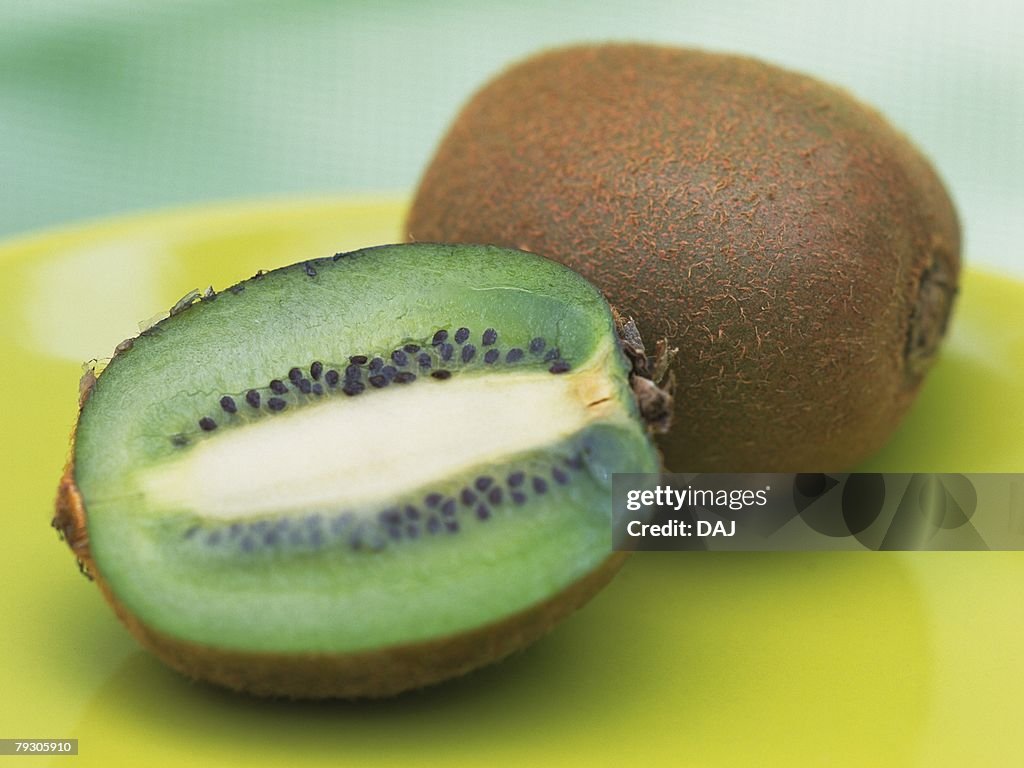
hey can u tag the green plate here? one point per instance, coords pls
(899, 659)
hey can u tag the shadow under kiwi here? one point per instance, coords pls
(962, 421)
(714, 654)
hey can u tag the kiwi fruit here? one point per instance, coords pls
(800, 254)
(357, 475)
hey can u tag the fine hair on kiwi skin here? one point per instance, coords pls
(180, 558)
(800, 252)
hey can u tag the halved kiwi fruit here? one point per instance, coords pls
(360, 474)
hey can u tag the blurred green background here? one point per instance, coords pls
(110, 106)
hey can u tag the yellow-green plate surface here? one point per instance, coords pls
(901, 659)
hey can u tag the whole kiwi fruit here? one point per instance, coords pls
(359, 474)
(798, 251)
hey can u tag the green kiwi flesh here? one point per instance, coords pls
(799, 252)
(357, 475)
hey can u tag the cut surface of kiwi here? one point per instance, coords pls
(358, 474)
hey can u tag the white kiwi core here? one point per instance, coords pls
(354, 452)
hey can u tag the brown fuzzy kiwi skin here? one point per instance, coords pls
(800, 253)
(368, 674)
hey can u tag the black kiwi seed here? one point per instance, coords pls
(439, 338)
(467, 497)
(305, 386)
(559, 476)
(482, 512)
(379, 380)
(574, 462)
(207, 424)
(537, 345)
(446, 350)
(448, 508)
(252, 397)
(278, 387)
(227, 403)
(495, 495)
(341, 522)
(353, 372)
(490, 337)
(423, 360)
(514, 355)
(318, 388)
(358, 359)
(483, 482)
(389, 372)
(461, 335)
(276, 404)
(552, 354)
(516, 479)
(399, 357)
(412, 349)
(433, 499)
(540, 485)
(452, 526)
(433, 525)
(316, 370)
(376, 364)
(352, 388)
(518, 498)
(442, 374)
(559, 366)
(367, 537)
(332, 377)
(467, 353)
(404, 377)
(294, 375)
(412, 512)
(491, 356)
